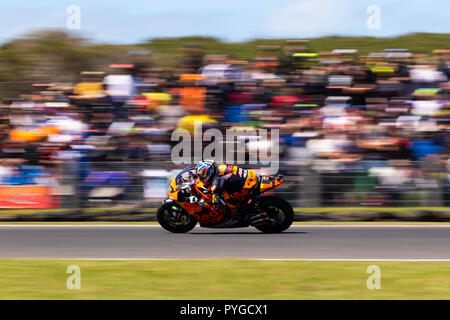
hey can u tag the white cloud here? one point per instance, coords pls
(314, 18)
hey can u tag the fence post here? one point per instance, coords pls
(432, 195)
(310, 187)
(68, 185)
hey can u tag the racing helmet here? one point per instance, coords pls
(205, 170)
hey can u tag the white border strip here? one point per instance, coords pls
(158, 226)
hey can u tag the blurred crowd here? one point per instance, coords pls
(368, 127)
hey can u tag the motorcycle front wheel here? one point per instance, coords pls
(279, 210)
(174, 218)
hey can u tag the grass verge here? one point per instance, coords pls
(222, 279)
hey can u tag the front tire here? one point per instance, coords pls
(175, 219)
(278, 209)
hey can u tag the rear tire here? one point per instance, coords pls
(275, 204)
(165, 217)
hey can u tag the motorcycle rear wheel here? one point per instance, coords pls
(175, 219)
(278, 209)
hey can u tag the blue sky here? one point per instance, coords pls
(130, 21)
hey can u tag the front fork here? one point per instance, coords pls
(176, 209)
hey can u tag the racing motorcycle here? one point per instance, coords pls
(190, 202)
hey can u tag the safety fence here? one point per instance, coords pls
(321, 183)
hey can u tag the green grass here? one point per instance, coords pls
(222, 279)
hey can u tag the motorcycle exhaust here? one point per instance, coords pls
(261, 218)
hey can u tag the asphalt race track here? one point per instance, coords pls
(153, 242)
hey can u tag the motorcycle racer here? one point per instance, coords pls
(231, 181)
(223, 196)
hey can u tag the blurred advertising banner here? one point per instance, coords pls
(27, 197)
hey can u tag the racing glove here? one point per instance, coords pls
(216, 200)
